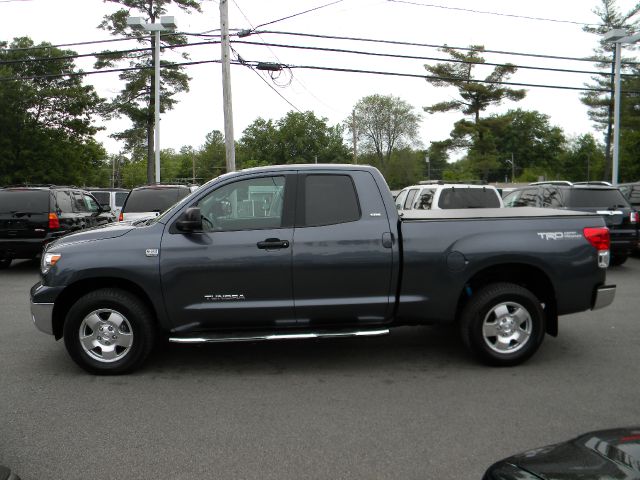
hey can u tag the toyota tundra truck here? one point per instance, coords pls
(310, 251)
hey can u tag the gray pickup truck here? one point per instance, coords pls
(304, 251)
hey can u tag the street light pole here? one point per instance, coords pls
(618, 36)
(156, 107)
(166, 24)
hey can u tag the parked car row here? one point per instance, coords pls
(597, 197)
(32, 216)
(444, 196)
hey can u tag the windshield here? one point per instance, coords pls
(468, 198)
(154, 199)
(592, 197)
(24, 200)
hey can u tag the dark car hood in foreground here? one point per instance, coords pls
(111, 230)
(606, 454)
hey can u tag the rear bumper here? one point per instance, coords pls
(603, 296)
(24, 247)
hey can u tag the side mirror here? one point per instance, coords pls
(190, 220)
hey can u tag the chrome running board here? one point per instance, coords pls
(253, 337)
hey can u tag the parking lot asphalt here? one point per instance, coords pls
(411, 405)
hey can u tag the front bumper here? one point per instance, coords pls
(42, 316)
(42, 301)
(603, 296)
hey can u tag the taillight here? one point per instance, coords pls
(633, 217)
(53, 221)
(598, 237)
(121, 217)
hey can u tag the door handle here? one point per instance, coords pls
(270, 243)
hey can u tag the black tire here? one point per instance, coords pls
(5, 263)
(496, 308)
(617, 260)
(123, 317)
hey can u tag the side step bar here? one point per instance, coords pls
(253, 337)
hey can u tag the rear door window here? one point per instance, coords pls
(24, 200)
(551, 197)
(65, 203)
(329, 200)
(465, 197)
(522, 198)
(79, 204)
(592, 198)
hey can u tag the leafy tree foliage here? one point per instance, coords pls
(137, 99)
(295, 138)
(46, 125)
(475, 96)
(601, 103)
(382, 124)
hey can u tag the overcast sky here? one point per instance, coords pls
(333, 94)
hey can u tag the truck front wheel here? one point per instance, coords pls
(503, 324)
(109, 332)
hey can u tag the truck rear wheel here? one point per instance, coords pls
(503, 324)
(109, 332)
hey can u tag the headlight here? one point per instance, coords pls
(48, 261)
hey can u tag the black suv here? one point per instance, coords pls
(608, 201)
(32, 216)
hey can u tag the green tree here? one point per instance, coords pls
(528, 137)
(295, 138)
(137, 99)
(475, 96)
(383, 123)
(601, 103)
(47, 122)
(582, 160)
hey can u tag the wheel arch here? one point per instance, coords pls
(528, 276)
(76, 290)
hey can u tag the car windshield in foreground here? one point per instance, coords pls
(596, 197)
(465, 197)
(24, 200)
(153, 199)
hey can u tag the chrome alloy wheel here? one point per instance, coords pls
(105, 335)
(507, 327)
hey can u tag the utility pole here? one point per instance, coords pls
(428, 160)
(355, 137)
(193, 168)
(226, 87)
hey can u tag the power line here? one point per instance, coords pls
(484, 12)
(255, 64)
(298, 14)
(433, 77)
(412, 57)
(105, 53)
(278, 60)
(412, 44)
(110, 40)
(243, 62)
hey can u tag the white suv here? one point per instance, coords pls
(443, 196)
